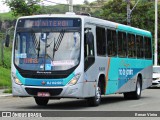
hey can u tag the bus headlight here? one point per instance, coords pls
(74, 79)
(16, 80)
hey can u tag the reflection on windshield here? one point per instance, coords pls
(47, 51)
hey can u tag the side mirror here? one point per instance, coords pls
(7, 40)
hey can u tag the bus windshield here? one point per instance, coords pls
(47, 49)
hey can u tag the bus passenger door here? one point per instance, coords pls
(89, 60)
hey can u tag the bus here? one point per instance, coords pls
(77, 56)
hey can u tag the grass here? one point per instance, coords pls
(5, 78)
(8, 90)
(5, 67)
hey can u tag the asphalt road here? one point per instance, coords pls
(150, 101)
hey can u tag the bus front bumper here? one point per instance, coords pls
(70, 91)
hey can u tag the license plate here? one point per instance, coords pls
(43, 94)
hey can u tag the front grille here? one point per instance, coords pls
(53, 91)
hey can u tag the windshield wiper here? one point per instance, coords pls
(58, 42)
(38, 48)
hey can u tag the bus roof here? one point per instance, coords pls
(97, 21)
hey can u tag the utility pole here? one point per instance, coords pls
(129, 11)
(156, 28)
(70, 5)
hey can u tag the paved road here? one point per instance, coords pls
(150, 101)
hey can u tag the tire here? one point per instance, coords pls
(96, 100)
(137, 93)
(41, 101)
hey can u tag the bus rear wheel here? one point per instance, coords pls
(137, 93)
(95, 101)
(41, 101)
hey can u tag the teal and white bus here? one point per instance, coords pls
(75, 56)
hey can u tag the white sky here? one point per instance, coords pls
(4, 8)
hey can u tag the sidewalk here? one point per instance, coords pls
(4, 94)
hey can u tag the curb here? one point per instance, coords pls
(7, 95)
(4, 94)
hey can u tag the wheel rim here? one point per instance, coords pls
(138, 89)
(98, 94)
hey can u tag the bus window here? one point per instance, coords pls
(88, 50)
(111, 43)
(101, 41)
(148, 50)
(139, 45)
(131, 46)
(122, 44)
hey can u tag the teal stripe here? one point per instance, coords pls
(134, 30)
(49, 82)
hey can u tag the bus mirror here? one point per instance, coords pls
(7, 40)
(90, 38)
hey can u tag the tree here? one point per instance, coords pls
(86, 2)
(142, 16)
(115, 11)
(23, 7)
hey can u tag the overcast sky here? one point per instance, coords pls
(4, 8)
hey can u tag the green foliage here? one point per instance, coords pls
(115, 11)
(142, 16)
(5, 77)
(7, 57)
(57, 9)
(7, 16)
(8, 90)
(23, 7)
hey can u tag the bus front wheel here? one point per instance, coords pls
(95, 101)
(41, 101)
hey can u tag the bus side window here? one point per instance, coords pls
(88, 50)
(139, 44)
(101, 41)
(122, 44)
(131, 46)
(111, 42)
(148, 50)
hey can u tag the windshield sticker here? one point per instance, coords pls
(41, 66)
(63, 63)
(48, 66)
(22, 55)
(31, 60)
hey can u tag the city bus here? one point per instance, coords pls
(77, 56)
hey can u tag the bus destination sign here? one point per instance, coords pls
(44, 22)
